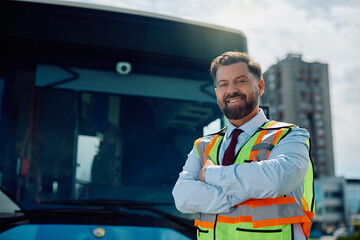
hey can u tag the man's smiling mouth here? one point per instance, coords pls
(235, 100)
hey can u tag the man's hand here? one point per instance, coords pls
(208, 162)
(202, 173)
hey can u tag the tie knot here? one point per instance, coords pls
(236, 132)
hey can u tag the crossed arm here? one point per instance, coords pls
(226, 186)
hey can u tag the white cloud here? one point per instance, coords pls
(331, 37)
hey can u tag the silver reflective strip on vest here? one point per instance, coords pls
(276, 211)
(269, 135)
(263, 149)
(201, 148)
(239, 211)
(262, 154)
(265, 145)
(206, 217)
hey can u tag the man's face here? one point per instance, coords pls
(237, 91)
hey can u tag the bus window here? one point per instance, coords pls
(105, 143)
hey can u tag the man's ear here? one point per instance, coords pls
(261, 85)
(216, 92)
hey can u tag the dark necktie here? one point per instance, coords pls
(228, 158)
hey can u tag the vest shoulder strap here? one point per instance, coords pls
(275, 125)
(265, 139)
(204, 144)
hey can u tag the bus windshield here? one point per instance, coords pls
(88, 138)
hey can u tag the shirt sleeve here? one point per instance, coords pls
(193, 196)
(279, 175)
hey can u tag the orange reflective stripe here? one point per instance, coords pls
(305, 206)
(271, 201)
(310, 215)
(277, 135)
(259, 138)
(280, 221)
(252, 154)
(306, 229)
(307, 225)
(232, 220)
(199, 223)
(273, 123)
(198, 141)
(211, 144)
(267, 157)
(257, 141)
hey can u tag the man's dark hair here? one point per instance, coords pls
(229, 58)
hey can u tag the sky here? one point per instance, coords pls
(326, 31)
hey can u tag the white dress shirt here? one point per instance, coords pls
(226, 186)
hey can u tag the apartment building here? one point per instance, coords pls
(298, 92)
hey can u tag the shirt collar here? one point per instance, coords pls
(250, 127)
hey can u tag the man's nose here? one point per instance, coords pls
(232, 88)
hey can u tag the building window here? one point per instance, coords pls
(334, 209)
(333, 194)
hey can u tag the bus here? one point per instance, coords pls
(99, 108)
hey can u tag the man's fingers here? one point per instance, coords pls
(208, 163)
(200, 176)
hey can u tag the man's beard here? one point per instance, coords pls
(240, 112)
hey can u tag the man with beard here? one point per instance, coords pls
(254, 178)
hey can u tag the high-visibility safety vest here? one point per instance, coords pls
(257, 219)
